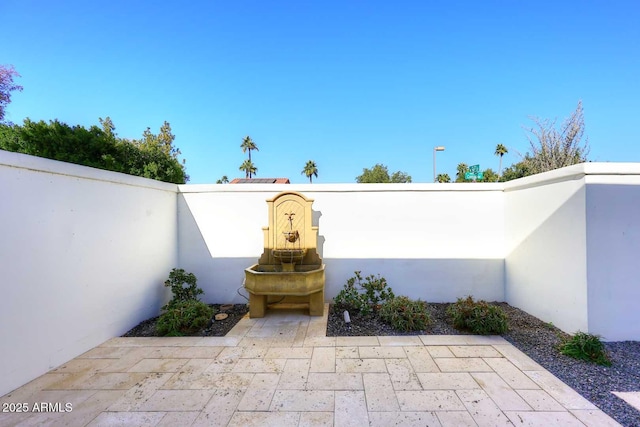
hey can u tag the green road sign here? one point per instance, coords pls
(474, 176)
(474, 169)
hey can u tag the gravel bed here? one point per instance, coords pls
(539, 340)
(217, 328)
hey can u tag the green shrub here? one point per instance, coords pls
(178, 278)
(184, 317)
(184, 314)
(478, 317)
(363, 296)
(405, 314)
(587, 347)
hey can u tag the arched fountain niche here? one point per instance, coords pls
(290, 269)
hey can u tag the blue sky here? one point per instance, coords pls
(347, 84)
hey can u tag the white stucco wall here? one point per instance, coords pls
(83, 257)
(545, 245)
(572, 245)
(613, 256)
(430, 241)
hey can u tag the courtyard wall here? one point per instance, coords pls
(83, 254)
(572, 245)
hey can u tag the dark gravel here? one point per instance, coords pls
(217, 328)
(539, 340)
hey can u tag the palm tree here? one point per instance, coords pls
(248, 145)
(501, 150)
(249, 168)
(310, 170)
(443, 177)
(462, 169)
(223, 180)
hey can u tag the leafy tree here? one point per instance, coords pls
(310, 170)
(443, 177)
(160, 156)
(108, 127)
(488, 175)
(249, 168)
(10, 139)
(248, 145)
(380, 174)
(97, 147)
(461, 170)
(400, 177)
(517, 170)
(553, 148)
(7, 73)
(223, 180)
(501, 150)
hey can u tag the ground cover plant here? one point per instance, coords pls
(586, 347)
(373, 298)
(405, 314)
(363, 296)
(477, 317)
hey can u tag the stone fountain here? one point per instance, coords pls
(290, 269)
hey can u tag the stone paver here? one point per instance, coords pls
(282, 370)
(632, 398)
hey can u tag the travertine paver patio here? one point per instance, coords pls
(282, 370)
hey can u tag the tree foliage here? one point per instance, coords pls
(553, 148)
(7, 73)
(153, 156)
(488, 175)
(517, 170)
(461, 169)
(248, 168)
(380, 174)
(501, 150)
(248, 145)
(443, 177)
(310, 170)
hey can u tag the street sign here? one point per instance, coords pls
(473, 176)
(474, 169)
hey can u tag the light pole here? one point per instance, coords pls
(438, 148)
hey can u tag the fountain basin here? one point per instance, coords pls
(263, 281)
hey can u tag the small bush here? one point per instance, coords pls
(587, 347)
(405, 314)
(184, 314)
(178, 278)
(184, 317)
(363, 296)
(478, 317)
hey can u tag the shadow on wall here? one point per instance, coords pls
(545, 271)
(433, 280)
(315, 222)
